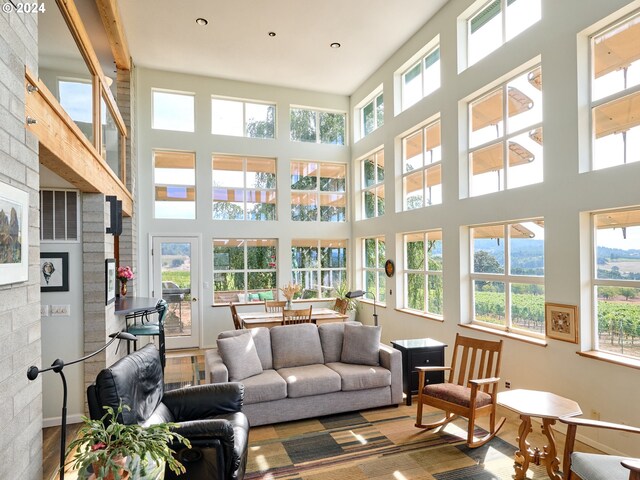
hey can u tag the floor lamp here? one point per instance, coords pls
(57, 366)
(362, 293)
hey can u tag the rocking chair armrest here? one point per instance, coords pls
(633, 465)
(432, 369)
(484, 381)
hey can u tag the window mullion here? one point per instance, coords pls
(507, 275)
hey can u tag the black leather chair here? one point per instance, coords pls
(209, 415)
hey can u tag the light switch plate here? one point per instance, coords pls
(44, 310)
(60, 310)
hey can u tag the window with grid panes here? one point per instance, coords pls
(242, 119)
(318, 191)
(505, 135)
(423, 272)
(615, 93)
(507, 276)
(244, 188)
(173, 111)
(372, 115)
(374, 278)
(318, 126)
(421, 78)
(319, 266)
(174, 176)
(373, 185)
(422, 167)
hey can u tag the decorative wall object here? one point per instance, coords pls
(110, 280)
(14, 228)
(561, 322)
(54, 272)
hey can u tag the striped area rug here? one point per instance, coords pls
(375, 444)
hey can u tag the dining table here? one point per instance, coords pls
(272, 319)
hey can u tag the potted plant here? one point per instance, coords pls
(340, 292)
(105, 444)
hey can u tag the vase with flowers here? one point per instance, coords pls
(289, 291)
(124, 274)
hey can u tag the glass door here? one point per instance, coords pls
(176, 279)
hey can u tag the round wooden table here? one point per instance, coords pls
(548, 407)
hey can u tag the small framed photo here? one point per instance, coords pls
(110, 280)
(561, 322)
(54, 272)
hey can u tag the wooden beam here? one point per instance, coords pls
(66, 151)
(110, 14)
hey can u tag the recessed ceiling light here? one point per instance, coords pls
(335, 45)
(202, 21)
(272, 34)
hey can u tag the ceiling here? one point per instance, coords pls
(163, 34)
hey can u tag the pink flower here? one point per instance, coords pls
(125, 274)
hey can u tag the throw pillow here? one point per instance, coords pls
(265, 295)
(240, 356)
(295, 345)
(361, 344)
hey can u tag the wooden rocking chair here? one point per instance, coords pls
(471, 390)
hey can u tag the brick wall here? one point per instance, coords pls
(20, 399)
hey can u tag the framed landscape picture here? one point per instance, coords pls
(561, 322)
(14, 227)
(54, 272)
(110, 280)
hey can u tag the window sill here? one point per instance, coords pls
(513, 336)
(426, 316)
(261, 302)
(611, 358)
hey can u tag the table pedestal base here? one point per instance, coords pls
(525, 454)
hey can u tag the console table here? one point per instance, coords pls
(419, 352)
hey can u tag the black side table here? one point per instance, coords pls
(419, 352)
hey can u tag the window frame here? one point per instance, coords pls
(378, 269)
(425, 166)
(373, 188)
(176, 93)
(431, 48)
(319, 269)
(425, 271)
(373, 100)
(317, 192)
(157, 185)
(317, 113)
(244, 115)
(505, 278)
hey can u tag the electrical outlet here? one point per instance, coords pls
(507, 384)
(595, 414)
(60, 310)
(44, 310)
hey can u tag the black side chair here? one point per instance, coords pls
(149, 323)
(209, 415)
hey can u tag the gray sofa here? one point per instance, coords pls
(305, 372)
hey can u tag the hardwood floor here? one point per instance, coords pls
(51, 448)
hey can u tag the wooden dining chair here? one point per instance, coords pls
(291, 317)
(472, 388)
(234, 315)
(274, 306)
(341, 305)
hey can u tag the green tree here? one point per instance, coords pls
(628, 292)
(263, 128)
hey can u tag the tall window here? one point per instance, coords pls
(616, 282)
(373, 185)
(372, 115)
(421, 78)
(76, 97)
(319, 266)
(317, 127)
(496, 22)
(244, 270)
(243, 119)
(374, 278)
(615, 58)
(318, 191)
(423, 274)
(244, 188)
(508, 276)
(506, 123)
(174, 176)
(173, 111)
(422, 167)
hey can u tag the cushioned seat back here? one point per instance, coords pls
(295, 345)
(331, 337)
(135, 380)
(261, 339)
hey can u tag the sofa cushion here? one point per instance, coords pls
(262, 340)
(361, 377)
(331, 337)
(310, 380)
(361, 345)
(295, 345)
(240, 356)
(264, 387)
(599, 467)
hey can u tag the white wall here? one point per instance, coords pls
(560, 199)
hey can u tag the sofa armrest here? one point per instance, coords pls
(391, 359)
(204, 401)
(215, 369)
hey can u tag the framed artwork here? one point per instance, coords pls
(14, 228)
(54, 272)
(110, 280)
(561, 322)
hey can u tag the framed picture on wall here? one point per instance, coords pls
(561, 322)
(110, 280)
(54, 272)
(14, 228)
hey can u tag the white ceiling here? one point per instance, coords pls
(162, 34)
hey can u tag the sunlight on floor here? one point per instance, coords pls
(358, 437)
(399, 476)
